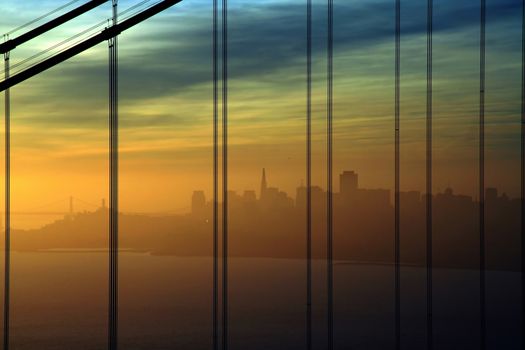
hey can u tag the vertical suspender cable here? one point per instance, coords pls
(523, 169)
(330, 267)
(113, 217)
(215, 313)
(482, 293)
(397, 286)
(308, 174)
(225, 174)
(7, 256)
(430, 5)
(110, 282)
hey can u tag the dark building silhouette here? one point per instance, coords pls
(272, 198)
(264, 185)
(318, 197)
(249, 199)
(274, 225)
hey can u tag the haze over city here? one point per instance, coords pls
(262, 174)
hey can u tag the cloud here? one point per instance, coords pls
(166, 67)
(172, 52)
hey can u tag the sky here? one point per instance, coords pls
(59, 119)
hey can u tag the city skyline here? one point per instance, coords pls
(25, 218)
(59, 148)
(348, 181)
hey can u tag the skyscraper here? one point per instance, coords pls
(264, 185)
(348, 183)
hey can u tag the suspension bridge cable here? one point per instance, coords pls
(113, 121)
(59, 44)
(111, 229)
(430, 7)
(482, 291)
(7, 247)
(330, 266)
(523, 169)
(308, 174)
(121, 14)
(85, 34)
(38, 19)
(25, 64)
(88, 43)
(397, 282)
(110, 306)
(215, 311)
(225, 174)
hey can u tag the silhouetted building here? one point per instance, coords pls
(264, 185)
(410, 199)
(450, 200)
(317, 194)
(272, 198)
(249, 197)
(375, 198)
(249, 200)
(348, 181)
(272, 225)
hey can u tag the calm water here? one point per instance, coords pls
(59, 301)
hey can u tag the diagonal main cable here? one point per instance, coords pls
(38, 19)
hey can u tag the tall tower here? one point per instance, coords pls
(264, 186)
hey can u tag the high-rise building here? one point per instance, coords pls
(249, 197)
(318, 197)
(348, 183)
(264, 185)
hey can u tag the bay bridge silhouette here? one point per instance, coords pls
(217, 210)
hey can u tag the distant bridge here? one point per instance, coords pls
(35, 65)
